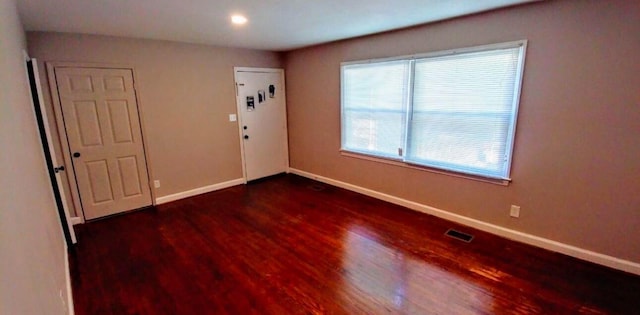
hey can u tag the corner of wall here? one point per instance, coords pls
(32, 247)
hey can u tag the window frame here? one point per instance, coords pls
(401, 160)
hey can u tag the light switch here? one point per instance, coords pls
(233, 117)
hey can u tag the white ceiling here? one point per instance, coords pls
(277, 25)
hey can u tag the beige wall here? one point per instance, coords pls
(186, 93)
(32, 248)
(576, 165)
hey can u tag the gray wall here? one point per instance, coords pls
(32, 248)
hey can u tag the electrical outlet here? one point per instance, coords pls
(156, 183)
(233, 117)
(515, 211)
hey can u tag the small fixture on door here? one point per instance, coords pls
(251, 105)
(272, 91)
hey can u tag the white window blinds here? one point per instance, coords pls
(463, 111)
(374, 107)
(453, 110)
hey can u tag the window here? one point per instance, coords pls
(451, 110)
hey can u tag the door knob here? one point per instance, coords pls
(76, 154)
(246, 137)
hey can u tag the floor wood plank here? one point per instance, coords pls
(290, 245)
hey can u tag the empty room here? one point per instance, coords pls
(320, 157)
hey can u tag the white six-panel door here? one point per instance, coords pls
(104, 137)
(264, 126)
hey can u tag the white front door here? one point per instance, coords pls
(263, 121)
(105, 140)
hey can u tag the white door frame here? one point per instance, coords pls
(240, 103)
(49, 139)
(62, 132)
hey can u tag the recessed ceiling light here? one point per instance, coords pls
(238, 19)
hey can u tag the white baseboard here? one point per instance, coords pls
(71, 308)
(76, 220)
(198, 191)
(570, 250)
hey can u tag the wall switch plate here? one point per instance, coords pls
(515, 211)
(156, 183)
(233, 117)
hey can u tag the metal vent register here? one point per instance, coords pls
(467, 238)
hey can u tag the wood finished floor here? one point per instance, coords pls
(289, 245)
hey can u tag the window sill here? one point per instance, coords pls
(501, 182)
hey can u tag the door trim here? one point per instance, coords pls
(62, 132)
(44, 131)
(239, 103)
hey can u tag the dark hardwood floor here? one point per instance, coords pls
(289, 245)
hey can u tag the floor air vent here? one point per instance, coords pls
(459, 235)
